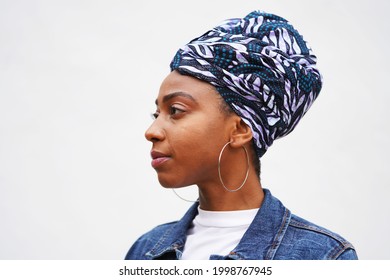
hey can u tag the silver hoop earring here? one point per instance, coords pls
(219, 169)
(182, 198)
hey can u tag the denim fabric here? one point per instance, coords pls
(274, 234)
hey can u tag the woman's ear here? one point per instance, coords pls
(241, 133)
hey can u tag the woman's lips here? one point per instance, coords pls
(158, 158)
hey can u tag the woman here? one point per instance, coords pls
(231, 93)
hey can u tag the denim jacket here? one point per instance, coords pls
(274, 233)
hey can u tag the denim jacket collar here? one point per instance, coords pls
(174, 238)
(267, 228)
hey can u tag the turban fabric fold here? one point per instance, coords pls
(262, 67)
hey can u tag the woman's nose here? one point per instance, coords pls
(155, 132)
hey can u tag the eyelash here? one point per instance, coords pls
(172, 112)
(154, 115)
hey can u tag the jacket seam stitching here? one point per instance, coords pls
(152, 252)
(296, 224)
(279, 236)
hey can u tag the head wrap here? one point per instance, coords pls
(262, 68)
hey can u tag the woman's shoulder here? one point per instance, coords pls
(310, 241)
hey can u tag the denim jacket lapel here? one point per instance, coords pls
(172, 242)
(265, 233)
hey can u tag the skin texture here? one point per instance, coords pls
(187, 136)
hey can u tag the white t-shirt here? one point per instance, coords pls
(216, 233)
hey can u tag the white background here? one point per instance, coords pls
(78, 81)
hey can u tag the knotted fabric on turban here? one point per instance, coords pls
(262, 68)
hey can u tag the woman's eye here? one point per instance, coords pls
(174, 110)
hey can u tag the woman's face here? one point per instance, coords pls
(188, 133)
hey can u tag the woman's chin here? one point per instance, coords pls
(166, 183)
(170, 184)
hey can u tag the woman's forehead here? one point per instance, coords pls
(176, 84)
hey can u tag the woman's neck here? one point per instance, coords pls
(214, 197)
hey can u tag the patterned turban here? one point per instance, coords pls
(262, 68)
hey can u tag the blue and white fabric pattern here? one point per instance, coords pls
(262, 67)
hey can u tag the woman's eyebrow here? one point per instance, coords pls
(168, 97)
